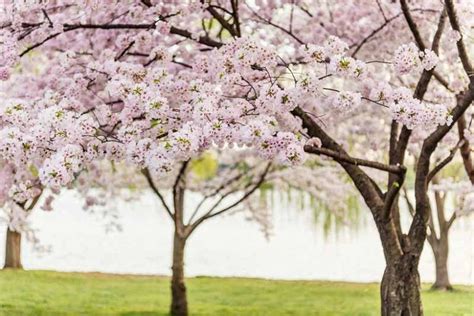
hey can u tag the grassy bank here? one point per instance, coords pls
(55, 293)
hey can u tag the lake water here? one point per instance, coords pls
(226, 246)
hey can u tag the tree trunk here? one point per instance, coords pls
(400, 288)
(13, 250)
(440, 252)
(179, 302)
(440, 246)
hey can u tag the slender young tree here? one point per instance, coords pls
(157, 84)
(226, 183)
(225, 186)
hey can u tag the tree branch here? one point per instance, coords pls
(235, 13)
(366, 186)
(226, 25)
(219, 189)
(151, 183)
(355, 161)
(209, 214)
(420, 90)
(412, 25)
(451, 220)
(34, 202)
(444, 162)
(465, 149)
(373, 33)
(453, 19)
(123, 26)
(423, 208)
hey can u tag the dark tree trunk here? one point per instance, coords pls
(400, 288)
(179, 302)
(13, 250)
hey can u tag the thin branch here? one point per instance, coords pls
(222, 20)
(364, 183)
(412, 25)
(463, 55)
(152, 185)
(245, 196)
(451, 220)
(146, 26)
(466, 149)
(442, 81)
(124, 51)
(209, 215)
(381, 10)
(411, 208)
(235, 13)
(444, 162)
(47, 17)
(276, 26)
(34, 201)
(180, 176)
(373, 33)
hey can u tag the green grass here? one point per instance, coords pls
(54, 293)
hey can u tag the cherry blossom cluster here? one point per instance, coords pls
(408, 58)
(410, 111)
(8, 54)
(156, 94)
(346, 101)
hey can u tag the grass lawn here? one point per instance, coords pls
(55, 293)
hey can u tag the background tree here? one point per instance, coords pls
(451, 200)
(17, 202)
(449, 194)
(17, 225)
(228, 182)
(224, 184)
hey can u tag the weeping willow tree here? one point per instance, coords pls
(333, 203)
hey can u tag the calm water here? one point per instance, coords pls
(225, 246)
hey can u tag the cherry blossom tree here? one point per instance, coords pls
(224, 183)
(155, 84)
(101, 186)
(17, 202)
(224, 186)
(16, 218)
(451, 197)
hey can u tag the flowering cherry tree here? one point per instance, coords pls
(225, 182)
(223, 187)
(157, 83)
(101, 186)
